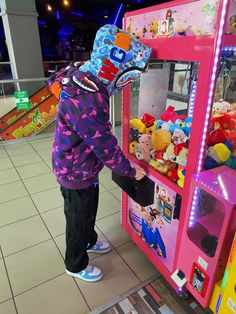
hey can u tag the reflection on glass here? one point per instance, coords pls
(221, 140)
(205, 221)
(161, 110)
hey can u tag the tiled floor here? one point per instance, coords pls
(32, 239)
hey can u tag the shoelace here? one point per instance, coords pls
(90, 268)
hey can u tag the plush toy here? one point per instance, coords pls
(150, 129)
(160, 139)
(142, 152)
(181, 159)
(172, 174)
(164, 125)
(173, 127)
(217, 136)
(133, 135)
(169, 153)
(178, 136)
(159, 124)
(179, 147)
(181, 175)
(231, 162)
(216, 155)
(145, 139)
(159, 156)
(232, 139)
(148, 120)
(223, 121)
(138, 125)
(170, 115)
(221, 106)
(158, 166)
(187, 125)
(132, 147)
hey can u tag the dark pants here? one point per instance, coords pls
(80, 208)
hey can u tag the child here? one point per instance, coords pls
(83, 141)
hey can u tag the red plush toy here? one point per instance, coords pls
(173, 174)
(148, 120)
(170, 115)
(159, 156)
(223, 121)
(217, 136)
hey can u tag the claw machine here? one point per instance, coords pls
(182, 214)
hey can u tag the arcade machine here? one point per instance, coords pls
(223, 298)
(179, 124)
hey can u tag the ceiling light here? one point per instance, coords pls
(66, 2)
(105, 15)
(49, 7)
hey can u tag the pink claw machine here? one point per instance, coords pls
(179, 124)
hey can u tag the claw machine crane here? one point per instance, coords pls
(179, 124)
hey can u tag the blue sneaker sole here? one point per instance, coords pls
(85, 279)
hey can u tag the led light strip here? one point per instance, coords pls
(229, 49)
(213, 77)
(194, 207)
(192, 99)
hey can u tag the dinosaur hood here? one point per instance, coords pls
(117, 58)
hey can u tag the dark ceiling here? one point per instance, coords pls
(92, 12)
(79, 20)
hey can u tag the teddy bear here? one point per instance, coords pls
(145, 139)
(142, 152)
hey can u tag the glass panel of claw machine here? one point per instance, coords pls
(205, 222)
(161, 116)
(161, 108)
(221, 141)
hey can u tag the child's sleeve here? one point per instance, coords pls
(95, 129)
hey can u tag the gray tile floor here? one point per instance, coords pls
(32, 239)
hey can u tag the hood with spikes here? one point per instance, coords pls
(117, 58)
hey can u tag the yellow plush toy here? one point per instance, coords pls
(138, 125)
(132, 147)
(181, 175)
(158, 166)
(151, 129)
(160, 139)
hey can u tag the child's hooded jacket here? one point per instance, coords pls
(83, 140)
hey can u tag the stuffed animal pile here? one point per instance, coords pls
(221, 140)
(162, 143)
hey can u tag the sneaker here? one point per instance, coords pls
(100, 247)
(90, 273)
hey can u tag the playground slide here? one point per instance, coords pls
(14, 114)
(32, 121)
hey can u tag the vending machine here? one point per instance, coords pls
(179, 124)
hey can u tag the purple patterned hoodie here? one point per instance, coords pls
(83, 141)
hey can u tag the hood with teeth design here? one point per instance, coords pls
(117, 58)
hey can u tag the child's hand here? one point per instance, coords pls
(140, 173)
